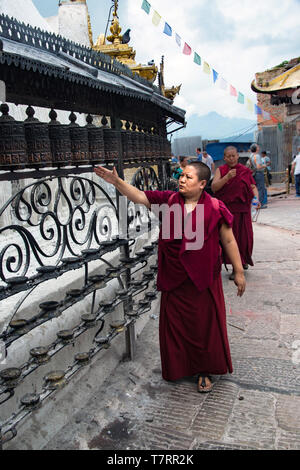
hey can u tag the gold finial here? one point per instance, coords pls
(116, 8)
(115, 28)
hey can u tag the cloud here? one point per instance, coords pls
(236, 37)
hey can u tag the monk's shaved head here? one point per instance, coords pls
(203, 171)
(230, 148)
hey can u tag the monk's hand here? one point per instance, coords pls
(231, 174)
(110, 176)
(240, 282)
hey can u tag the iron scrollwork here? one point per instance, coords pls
(54, 218)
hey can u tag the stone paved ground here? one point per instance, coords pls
(257, 407)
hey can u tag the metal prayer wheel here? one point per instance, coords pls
(111, 142)
(13, 148)
(167, 147)
(141, 145)
(161, 146)
(79, 141)
(38, 141)
(156, 145)
(96, 141)
(60, 142)
(148, 145)
(130, 149)
(127, 147)
(135, 143)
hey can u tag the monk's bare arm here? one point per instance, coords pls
(219, 182)
(255, 191)
(230, 246)
(131, 192)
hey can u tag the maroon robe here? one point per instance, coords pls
(237, 195)
(192, 329)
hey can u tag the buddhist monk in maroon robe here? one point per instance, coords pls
(234, 185)
(192, 328)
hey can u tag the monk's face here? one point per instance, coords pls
(189, 184)
(231, 157)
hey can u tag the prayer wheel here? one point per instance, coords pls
(79, 141)
(13, 148)
(96, 141)
(60, 141)
(37, 139)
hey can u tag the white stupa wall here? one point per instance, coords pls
(73, 22)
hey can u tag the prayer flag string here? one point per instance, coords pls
(207, 69)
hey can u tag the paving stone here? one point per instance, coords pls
(222, 446)
(290, 324)
(251, 348)
(267, 374)
(288, 441)
(288, 413)
(211, 420)
(252, 421)
(166, 438)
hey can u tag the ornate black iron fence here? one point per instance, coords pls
(63, 225)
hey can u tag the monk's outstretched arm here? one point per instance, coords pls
(231, 248)
(126, 189)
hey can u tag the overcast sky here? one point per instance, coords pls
(236, 37)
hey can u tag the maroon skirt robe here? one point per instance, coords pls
(237, 195)
(192, 328)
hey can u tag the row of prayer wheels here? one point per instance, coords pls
(32, 143)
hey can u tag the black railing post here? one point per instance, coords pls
(116, 124)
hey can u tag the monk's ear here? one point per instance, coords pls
(203, 184)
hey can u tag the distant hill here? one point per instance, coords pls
(214, 126)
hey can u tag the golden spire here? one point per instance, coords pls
(121, 51)
(115, 28)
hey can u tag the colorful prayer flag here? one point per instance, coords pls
(241, 98)
(250, 105)
(274, 119)
(266, 115)
(156, 18)
(206, 68)
(146, 6)
(215, 76)
(186, 49)
(197, 58)
(280, 126)
(258, 110)
(223, 84)
(168, 29)
(178, 39)
(233, 91)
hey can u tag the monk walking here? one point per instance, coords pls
(192, 328)
(234, 185)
